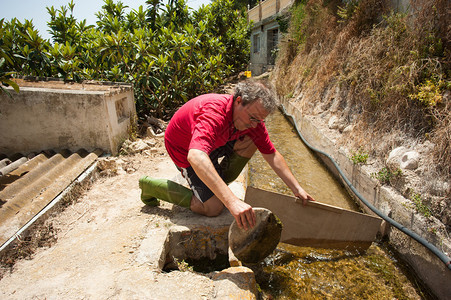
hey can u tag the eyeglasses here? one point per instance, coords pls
(252, 119)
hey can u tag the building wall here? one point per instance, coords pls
(54, 115)
(265, 33)
(260, 61)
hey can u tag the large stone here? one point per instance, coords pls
(402, 158)
(333, 123)
(394, 158)
(139, 146)
(108, 166)
(235, 283)
(409, 161)
(254, 244)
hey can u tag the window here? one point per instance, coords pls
(256, 43)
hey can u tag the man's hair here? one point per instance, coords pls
(251, 91)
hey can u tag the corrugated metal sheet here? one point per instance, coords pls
(37, 180)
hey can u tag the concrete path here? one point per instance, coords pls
(111, 246)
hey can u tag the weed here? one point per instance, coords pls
(289, 95)
(297, 22)
(359, 157)
(375, 95)
(432, 230)
(283, 22)
(183, 266)
(429, 93)
(385, 175)
(420, 206)
(346, 12)
(132, 129)
(124, 147)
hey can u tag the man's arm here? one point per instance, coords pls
(279, 165)
(202, 165)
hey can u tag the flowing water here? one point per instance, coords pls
(307, 273)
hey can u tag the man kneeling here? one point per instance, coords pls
(208, 128)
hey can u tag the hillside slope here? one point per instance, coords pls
(378, 81)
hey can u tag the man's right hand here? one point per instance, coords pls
(243, 213)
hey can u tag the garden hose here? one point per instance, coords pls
(444, 258)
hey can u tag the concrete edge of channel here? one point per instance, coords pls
(427, 266)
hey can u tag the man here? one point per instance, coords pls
(208, 128)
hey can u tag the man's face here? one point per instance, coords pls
(248, 116)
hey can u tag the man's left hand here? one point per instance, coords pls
(304, 196)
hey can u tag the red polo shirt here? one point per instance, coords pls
(206, 123)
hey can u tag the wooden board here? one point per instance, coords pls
(317, 224)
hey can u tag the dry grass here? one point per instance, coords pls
(387, 73)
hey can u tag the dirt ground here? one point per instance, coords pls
(103, 242)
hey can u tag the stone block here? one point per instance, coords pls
(235, 283)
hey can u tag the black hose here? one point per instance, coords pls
(445, 259)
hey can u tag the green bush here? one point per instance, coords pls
(169, 54)
(6, 61)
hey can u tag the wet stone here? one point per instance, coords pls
(255, 244)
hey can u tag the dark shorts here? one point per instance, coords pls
(200, 190)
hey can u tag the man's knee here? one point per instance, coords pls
(214, 211)
(211, 208)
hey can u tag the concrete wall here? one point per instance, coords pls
(260, 60)
(428, 267)
(54, 115)
(266, 9)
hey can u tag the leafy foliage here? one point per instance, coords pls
(5, 60)
(419, 204)
(385, 175)
(429, 93)
(168, 53)
(359, 157)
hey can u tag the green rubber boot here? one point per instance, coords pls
(153, 190)
(232, 167)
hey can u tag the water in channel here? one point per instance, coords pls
(311, 273)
